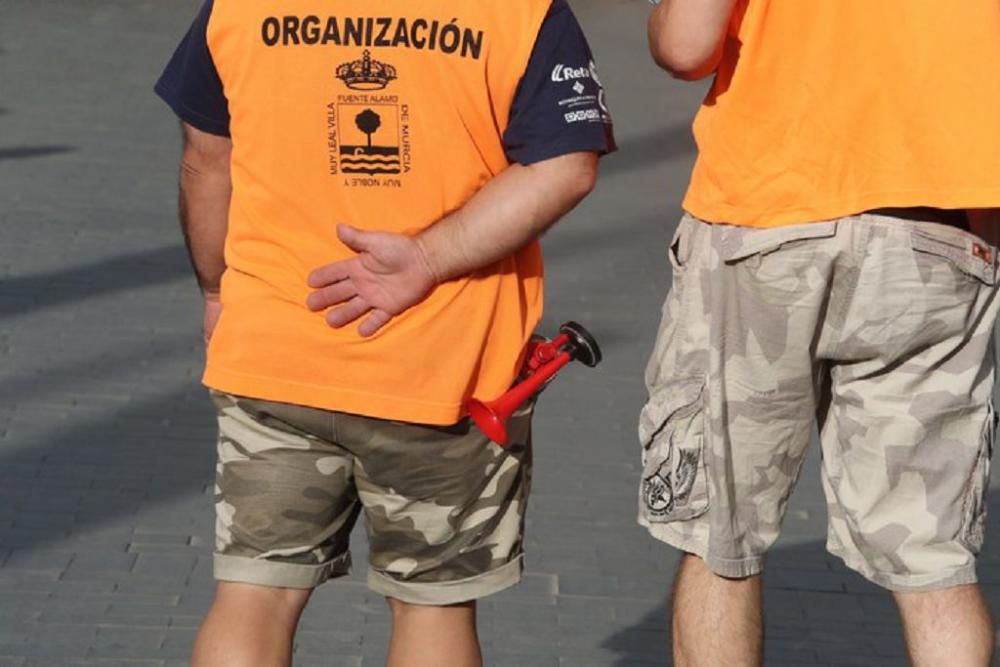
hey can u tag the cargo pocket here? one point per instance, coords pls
(964, 252)
(680, 245)
(739, 244)
(672, 431)
(974, 506)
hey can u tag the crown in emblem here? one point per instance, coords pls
(366, 73)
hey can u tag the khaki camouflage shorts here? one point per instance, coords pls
(880, 328)
(444, 506)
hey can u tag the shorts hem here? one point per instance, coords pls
(441, 593)
(261, 572)
(730, 568)
(908, 583)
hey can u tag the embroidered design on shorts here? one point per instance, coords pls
(670, 487)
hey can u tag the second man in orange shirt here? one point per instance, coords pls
(833, 265)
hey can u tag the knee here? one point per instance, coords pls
(405, 610)
(249, 599)
(399, 608)
(692, 566)
(402, 610)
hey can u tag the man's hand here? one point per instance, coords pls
(393, 271)
(389, 274)
(213, 308)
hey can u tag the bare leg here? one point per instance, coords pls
(947, 627)
(425, 636)
(716, 621)
(248, 626)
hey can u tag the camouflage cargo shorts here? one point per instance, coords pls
(880, 329)
(444, 506)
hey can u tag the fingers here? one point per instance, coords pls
(347, 313)
(331, 295)
(330, 273)
(378, 319)
(354, 309)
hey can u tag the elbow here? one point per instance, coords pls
(584, 178)
(686, 53)
(195, 165)
(205, 154)
(686, 62)
(199, 163)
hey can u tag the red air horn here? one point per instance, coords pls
(543, 359)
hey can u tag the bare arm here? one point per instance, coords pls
(205, 190)
(393, 272)
(509, 212)
(686, 36)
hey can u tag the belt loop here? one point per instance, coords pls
(333, 427)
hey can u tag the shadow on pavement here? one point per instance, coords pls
(817, 612)
(75, 375)
(88, 479)
(23, 152)
(126, 272)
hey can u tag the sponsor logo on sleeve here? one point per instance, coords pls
(586, 103)
(563, 73)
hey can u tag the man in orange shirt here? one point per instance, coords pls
(388, 163)
(836, 261)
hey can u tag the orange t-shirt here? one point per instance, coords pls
(386, 116)
(825, 108)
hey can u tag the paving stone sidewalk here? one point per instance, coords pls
(106, 438)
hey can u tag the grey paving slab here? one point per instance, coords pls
(106, 449)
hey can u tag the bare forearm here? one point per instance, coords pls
(392, 272)
(205, 190)
(686, 36)
(506, 214)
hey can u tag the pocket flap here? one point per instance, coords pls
(666, 404)
(674, 477)
(965, 252)
(742, 242)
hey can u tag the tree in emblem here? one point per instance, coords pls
(368, 122)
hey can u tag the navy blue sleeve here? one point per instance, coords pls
(559, 106)
(190, 84)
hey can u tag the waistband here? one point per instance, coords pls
(953, 217)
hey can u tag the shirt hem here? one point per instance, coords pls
(328, 397)
(745, 217)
